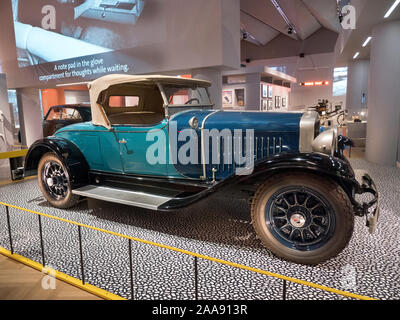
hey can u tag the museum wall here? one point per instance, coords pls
(167, 36)
(357, 85)
(384, 95)
(316, 67)
(30, 114)
(65, 95)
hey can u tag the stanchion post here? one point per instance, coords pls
(81, 254)
(41, 239)
(131, 268)
(9, 230)
(196, 279)
(284, 290)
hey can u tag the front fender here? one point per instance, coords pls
(66, 151)
(337, 169)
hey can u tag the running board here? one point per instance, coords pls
(127, 197)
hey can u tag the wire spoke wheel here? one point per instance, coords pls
(300, 218)
(54, 182)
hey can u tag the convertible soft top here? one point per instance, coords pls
(99, 85)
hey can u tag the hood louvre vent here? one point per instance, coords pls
(264, 149)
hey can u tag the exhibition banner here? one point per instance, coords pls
(47, 42)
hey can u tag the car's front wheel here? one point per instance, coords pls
(302, 217)
(55, 183)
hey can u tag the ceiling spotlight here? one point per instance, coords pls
(356, 55)
(366, 42)
(291, 28)
(392, 8)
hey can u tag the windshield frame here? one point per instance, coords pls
(188, 106)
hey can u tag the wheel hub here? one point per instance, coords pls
(50, 182)
(298, 220)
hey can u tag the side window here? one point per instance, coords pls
(54, 114)
(71, 114)
(123, 101)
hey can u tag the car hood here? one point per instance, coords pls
(288, 122)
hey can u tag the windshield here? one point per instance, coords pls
(186, 96)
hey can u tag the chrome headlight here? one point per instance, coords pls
(194, 123)
(326, 142)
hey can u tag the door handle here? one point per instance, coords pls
(123, 141)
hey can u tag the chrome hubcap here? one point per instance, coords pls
(50, 182)
(297, 220)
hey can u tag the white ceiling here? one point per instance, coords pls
(371, 14)
(262, 21)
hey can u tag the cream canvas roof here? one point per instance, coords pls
(99, 85)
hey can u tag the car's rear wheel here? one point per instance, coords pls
(55, 183)
(302, 217)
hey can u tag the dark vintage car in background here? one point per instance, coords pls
(58, 117)
(301, 187)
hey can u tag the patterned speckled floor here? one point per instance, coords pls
(218, 227)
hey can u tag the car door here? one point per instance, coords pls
(135, 142)
(133, 129)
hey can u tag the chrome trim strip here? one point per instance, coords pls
(256, 148)
(273, 146)
(203, 159)
(262, 148)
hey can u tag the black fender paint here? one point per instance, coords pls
(337, 169)
(66, 151)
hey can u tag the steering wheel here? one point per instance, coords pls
(193, 99)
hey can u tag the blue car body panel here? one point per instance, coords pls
(270, 129)
(274, 133)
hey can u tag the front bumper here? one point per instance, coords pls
(369, 209)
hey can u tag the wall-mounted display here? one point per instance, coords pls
(264, 105)
(265, 90)
(235, 79)
(227, 99)
(270, 91)
(277, 102)
(239, 94)
(270, 105)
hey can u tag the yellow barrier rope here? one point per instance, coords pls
(232, 264)
(13, 154)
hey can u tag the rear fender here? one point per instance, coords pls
(66, 151)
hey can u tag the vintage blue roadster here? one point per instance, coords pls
(156, 142)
